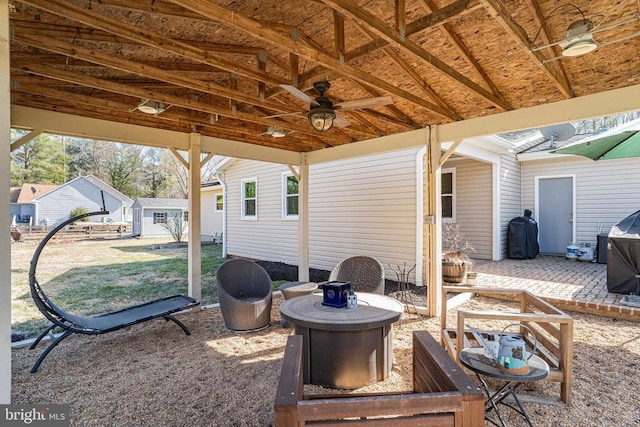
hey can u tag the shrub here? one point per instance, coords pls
(79, 211)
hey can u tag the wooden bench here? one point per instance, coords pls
(443, 394)
(552, 328)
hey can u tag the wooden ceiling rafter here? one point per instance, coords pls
(149, 38)
(349, 9)
(518, 34)
(420, 82)
(101, 84)
(250, 26)
(457, 43)
(143, 70)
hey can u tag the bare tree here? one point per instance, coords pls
(176, 226)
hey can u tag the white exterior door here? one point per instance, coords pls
(555, 213)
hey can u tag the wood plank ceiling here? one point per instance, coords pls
(217, 66)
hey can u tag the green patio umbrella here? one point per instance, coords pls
(614, 146)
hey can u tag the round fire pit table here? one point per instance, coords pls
(344, 348)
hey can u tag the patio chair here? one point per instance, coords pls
(366, 274)
(245, 295)
(101, 324)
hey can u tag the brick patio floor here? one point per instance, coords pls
(570, 285)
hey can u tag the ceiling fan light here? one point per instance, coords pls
(578, 39)
(580, 47)
(149, 107)
(321, 119)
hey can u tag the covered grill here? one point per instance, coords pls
(522, 237)
(623, 256)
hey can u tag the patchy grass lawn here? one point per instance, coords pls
(96, 276)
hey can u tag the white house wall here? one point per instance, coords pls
(606, 191)
(474, 190)
(356, 207)
(511, 204)
(210, 219)
(56, 205)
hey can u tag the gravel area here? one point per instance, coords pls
(154, 375)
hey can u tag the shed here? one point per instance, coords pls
(149, 215)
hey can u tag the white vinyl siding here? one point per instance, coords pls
(606, 191)
(360, 206)
(511, 205)
(56, 205)
(268, 237)
(289, 196)
(249, 192)
(210, 216)
(474, 204)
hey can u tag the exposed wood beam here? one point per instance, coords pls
(498, 12)
(178, 156)
(443, 15)
(338, 31)
(411, 73)
(401, 18)
(79, 52)
(227, 17)
(148, 38)
(101, 84)
(26, 138)
(456, 42)
(351, 10)
(38, 89)
(439, 17)
(89, 34)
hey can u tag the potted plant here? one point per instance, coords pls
(455, 258)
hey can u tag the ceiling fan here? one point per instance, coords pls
(578, 38)
(275, 132)
(322, 111)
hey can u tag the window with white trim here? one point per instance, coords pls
(448, 196)
(219, 204)
(289, 196)
(250, 198)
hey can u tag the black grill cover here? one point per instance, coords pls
(522, 237)
(623, 255)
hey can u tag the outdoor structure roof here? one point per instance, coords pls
(148, 202)
(28, 192)
(454, 70)
(217, 65)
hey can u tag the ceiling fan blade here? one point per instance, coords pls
(299, 94)
(285, 114)
(365, 103)
(340, 121)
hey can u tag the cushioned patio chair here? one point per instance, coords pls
(245, 295)
(366, 274)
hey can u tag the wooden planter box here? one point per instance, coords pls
(552, 328)
(443, 394)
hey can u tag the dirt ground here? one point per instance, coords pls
(154, 375)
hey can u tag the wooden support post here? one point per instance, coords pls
(5, 237)
(303, 221)
(195, 250)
